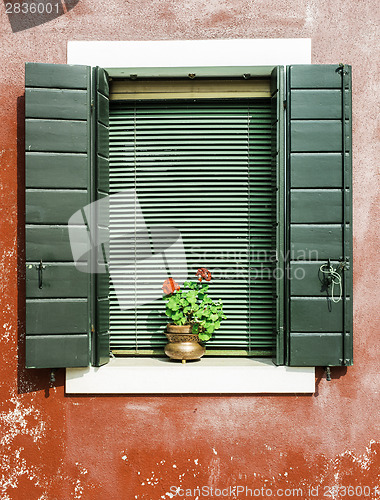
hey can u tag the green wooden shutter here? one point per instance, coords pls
(319, 212)
(101, 338)
(57, 112)
(204, 167)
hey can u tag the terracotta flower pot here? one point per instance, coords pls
(183, 344)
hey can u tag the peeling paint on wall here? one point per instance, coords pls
(316, 477)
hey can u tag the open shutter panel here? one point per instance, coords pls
(57, 111)
(319, 215)
(101, 338)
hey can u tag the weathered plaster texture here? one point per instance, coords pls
(57, 447)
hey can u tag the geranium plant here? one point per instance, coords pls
(191, 305)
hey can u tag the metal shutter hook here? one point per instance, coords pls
(40, 267)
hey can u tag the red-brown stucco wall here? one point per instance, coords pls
(57, 447)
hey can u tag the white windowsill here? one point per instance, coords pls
(206, 376)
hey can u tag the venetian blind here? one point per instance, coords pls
(203, 167)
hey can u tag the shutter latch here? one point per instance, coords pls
(40, 268)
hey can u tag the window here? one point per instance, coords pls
(67, 151)
(204, 167)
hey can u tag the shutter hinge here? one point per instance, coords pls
(285, 104)
(345, 362)
(92, 329)
(344, 264)
(342, 70)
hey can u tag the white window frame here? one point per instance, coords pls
(209, 375)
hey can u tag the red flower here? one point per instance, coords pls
(203, 273)
(170, 286)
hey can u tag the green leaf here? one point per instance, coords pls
(190, 284)
(169, 312)
(204, 336)
(210, 329)
(173, 304)
(177, 316)
(192, 296)
(195, 329)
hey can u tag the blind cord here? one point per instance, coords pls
(135, 214)
(249, 236)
